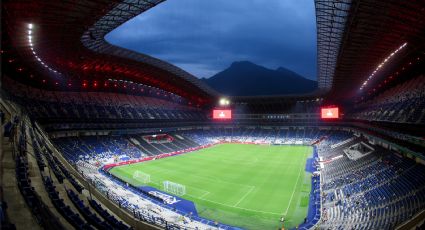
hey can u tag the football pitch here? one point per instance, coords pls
(244, 185)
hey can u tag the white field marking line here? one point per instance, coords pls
(205, 194)
(210, 178)
(295, 188)
(199, 189)
(243, 197)
(196, 188)
(218, 180)
(159, 184)
(247, 209)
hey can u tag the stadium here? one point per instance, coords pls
(96, 136)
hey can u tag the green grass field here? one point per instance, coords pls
(249, 186)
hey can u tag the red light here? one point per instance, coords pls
(44, 81)
(330, 113)
(69, 84)
(95, 84)
(84, 84)
(222, 114)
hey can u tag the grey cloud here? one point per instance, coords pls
(204, 36)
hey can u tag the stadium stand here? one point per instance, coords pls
(370, 190)
(72, 106)
(370, 183)
(402, 104)
(91, 105)
(38, 208)
(378, 191)
(108, 217)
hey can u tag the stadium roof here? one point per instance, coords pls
(356, 40)
(67, 43)
(65, 40)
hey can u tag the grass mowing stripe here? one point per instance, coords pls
(237, 184)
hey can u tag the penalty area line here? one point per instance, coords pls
(243, 197)
(205, 194)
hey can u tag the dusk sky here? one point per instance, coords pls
(204, 37)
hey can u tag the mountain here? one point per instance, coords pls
(248, 79)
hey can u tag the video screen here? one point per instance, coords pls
(330, 113)
(222, 114)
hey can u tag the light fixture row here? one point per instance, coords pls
(143, 85)
(31, 44)
(381, 65)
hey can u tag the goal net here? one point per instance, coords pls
(174, 188)
(142, 177)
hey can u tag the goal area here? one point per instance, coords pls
(142, 177)
(174, 188)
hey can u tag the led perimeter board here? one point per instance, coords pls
(222, 114)
(330, 113)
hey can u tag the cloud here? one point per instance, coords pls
(205, 36)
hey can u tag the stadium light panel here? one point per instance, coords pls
(224, 101)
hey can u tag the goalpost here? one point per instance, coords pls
(174, 188)
(142, 177)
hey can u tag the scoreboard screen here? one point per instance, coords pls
(222, 114)
(330, 113)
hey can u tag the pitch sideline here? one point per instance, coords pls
(295, 187)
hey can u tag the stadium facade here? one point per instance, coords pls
(73, 107)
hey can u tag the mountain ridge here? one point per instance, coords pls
(244, 78)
